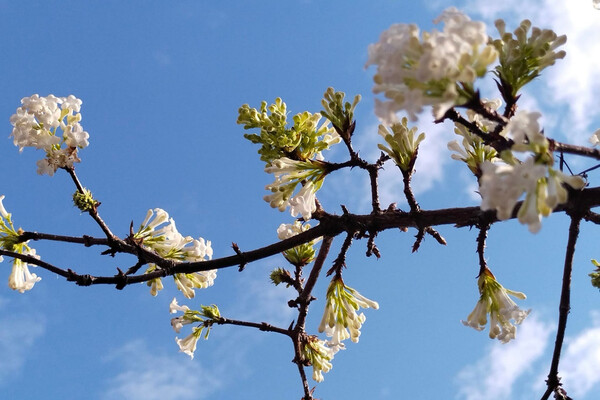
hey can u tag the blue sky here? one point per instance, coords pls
(161, 83)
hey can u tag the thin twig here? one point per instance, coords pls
(553, 380)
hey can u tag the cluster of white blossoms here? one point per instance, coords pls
(187, 345)
(319, 355)
(496, 302)
(20, 278)
(159, 233)
(340, 320)
(402, 143)
(288, 175)
(36, 124)
(437, 69)
(503, 182)
(302, 254)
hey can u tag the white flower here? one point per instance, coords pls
(20, 278)
(304, 203)
(524, 129)
(319, 356)
(414, 71)
(36, 122)
(187, 345)
(75, 136)
(340, 320)
(495, 301)
(402, 143)
(502, 185)
(159, 233)
(3, 211)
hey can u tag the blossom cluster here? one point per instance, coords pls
(304, 140)
(205, 318)
(300, 255)
(340, 320)
(159, 233)
(437, 68)
(472, 150)
(319, 355)
(36, 125)
(403, 145)
(20, 278)
(288, 175)
(523, 55)
(495, 302)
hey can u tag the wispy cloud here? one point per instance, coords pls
(494, 375)
(580, 362)
(148, 375)
(18, 335)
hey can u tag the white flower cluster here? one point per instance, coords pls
(414, 72)
(159, 233)
(402, 143)
(288, 174)
(319, 356)
(36, 123)
(496, 302)
(20, 278)
(187, 345)
(503, 183)
(340, 320)
(302, 254)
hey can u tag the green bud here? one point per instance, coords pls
(524, 55)
(596, 274)
(302, 141)
(84, 201)
(340, 113)
(280, 275)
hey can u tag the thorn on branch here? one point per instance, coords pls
(371, 247)
(121, 279)
(419, 238)
(237, 250)
(80, 280)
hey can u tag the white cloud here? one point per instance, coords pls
(18, 335)
(580, 362)
(260, 300)
(493, 376)
(147, 375)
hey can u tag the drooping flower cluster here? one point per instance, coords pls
(36, 124)
(495, 301)
(205, 318)
(340, 320)
(288, 175)
(294, 154)
(437, 69)
(20, 278)
(159, 233)
(319, 355)
(300, 255)
(403, 145)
